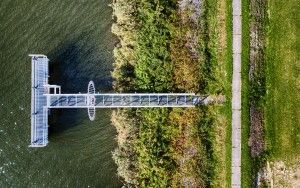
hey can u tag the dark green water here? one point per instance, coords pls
(76, 37)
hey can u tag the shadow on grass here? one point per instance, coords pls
(72, 66)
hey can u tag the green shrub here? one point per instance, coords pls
(159, 52)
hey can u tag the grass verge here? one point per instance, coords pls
(228, 110)
(222, 43)
(246, 175)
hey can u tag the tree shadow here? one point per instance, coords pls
(72, 66)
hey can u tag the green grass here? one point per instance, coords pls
(228, 112)
(283, 85)
(246, 176)
(221, 62)
(282, 98)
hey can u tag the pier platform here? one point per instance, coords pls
(45, 97)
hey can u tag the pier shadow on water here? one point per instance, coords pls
(72, 66)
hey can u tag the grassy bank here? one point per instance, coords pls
(168, 46)
(283, 81)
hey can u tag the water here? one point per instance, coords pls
(76, 37)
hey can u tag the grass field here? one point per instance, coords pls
(283, 80)
(283, 86)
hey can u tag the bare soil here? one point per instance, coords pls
(278, 174)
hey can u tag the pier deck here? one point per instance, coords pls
(45, 97)
(124, 100)
(39, 111)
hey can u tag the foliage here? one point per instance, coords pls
(154, 152)
(165, 49)
(186, 71)
(124, 28)
(124, 154)
(154, 68)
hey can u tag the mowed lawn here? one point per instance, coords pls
(283, 80)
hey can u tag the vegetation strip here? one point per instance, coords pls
(253, 146)
(168, 46)
(257, 77)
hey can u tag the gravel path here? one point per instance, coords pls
(236, 95)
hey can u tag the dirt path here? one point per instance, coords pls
(236, 95)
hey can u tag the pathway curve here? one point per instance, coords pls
(236, 94)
